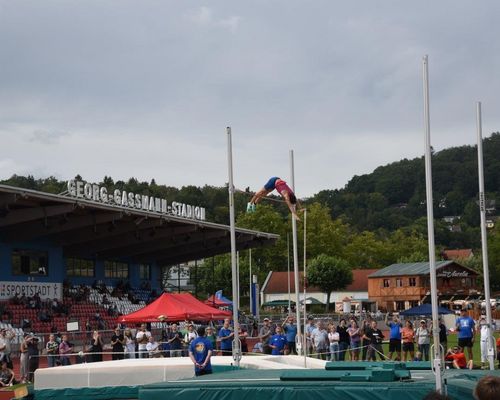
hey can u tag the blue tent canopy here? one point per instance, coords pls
(218, 295)
(424, 309)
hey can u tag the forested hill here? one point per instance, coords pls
(376, 220)
(393, 196)
(390, 198)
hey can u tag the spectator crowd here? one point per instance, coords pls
(348, 339)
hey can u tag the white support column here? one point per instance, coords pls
(234, 271)
(295, 261)
(437, 364)
(484, 238)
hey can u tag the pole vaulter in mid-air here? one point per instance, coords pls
(282, 188)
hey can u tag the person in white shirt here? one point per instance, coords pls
(482, 327)
(423, 336)
(142, 338)
(190, 335)
(153, 348)
(6, 336)
(320, 341)
(333, 338)
(129, 344)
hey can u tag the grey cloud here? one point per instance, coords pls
(48, 136)
(340, 82)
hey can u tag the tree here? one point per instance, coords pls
(329, 273)
(366, 251)
(324, 235)
(266, 219)
(215, 274)
(494, 257)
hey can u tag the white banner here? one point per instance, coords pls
(46, 290)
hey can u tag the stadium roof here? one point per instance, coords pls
(420, 268)
(88, 229)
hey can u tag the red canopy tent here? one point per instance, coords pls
(216, 302)
(175, 307)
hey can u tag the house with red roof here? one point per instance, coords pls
(457, 254)
(277, 284)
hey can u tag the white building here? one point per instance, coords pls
(275, 288)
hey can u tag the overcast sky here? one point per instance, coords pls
(146, 88)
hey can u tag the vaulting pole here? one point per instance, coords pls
(484, 237)
(234, 272)
(430, 231)
(295, 262)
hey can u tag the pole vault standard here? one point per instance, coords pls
(288, 269)
(295, 262)
(305, 288)
(234, 272)
(430, 231)
(250, 280)
(484, 237)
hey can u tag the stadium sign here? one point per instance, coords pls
(46, 290)
(122, 198)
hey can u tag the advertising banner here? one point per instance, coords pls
(46, 290)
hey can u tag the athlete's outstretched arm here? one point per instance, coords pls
(291, 206)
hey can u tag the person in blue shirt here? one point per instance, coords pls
(465, 327)
(226, 336)
(394, 336)
(200, 351)
(278, 342)
(290, 329)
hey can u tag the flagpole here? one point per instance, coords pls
(295, 262)
(484, 236)
(234, 272)
(430, 230)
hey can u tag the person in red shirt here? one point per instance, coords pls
(457, 357)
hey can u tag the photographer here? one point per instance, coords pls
(52, 348)
(96, 346)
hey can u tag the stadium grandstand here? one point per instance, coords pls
(85, 256)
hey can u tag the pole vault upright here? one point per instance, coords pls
(484, 239)
(234, 271)
(430, 231)
(305, 287)
(295, 263)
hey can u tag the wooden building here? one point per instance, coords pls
(402, 286)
